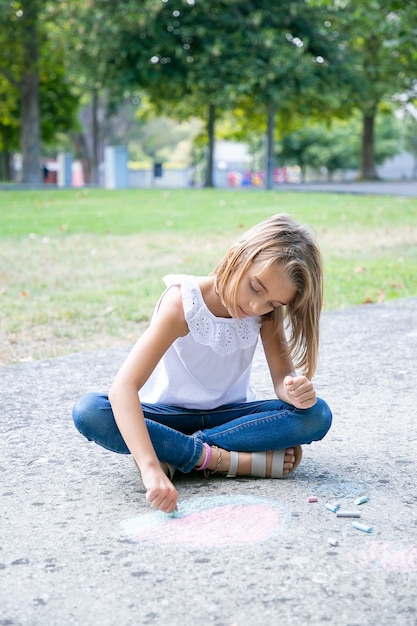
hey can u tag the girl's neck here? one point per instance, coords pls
(211, 298)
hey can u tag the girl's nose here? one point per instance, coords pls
(258, 308)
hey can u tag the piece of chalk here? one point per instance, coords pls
(312, 499)
(333, 542)
(347, 514)
(363, 527)
(361, 500)
(332, 507)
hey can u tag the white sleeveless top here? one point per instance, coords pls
(211, 365)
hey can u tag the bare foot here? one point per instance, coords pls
(168, 469)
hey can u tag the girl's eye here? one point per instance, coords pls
(252, 287)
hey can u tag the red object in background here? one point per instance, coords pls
(50, 172)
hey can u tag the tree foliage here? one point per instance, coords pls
(336, 145)
(270, 65)
(379, 36)
(38, 101)
(199, 56)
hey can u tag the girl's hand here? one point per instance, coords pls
(160, 492)
(300, 391)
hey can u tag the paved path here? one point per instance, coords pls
(403, 188)
(392, 188)
(79, 545)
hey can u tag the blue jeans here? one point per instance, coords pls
(177, 434)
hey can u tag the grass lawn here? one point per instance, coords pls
(81, 269)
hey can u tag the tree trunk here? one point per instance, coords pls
(29, 92)
(367, 169)
(95, 137)
(3, 161)
(270, 161)
(209, 182)
(5, 154)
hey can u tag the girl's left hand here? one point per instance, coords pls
(300, 392)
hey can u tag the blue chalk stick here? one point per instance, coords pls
(361, 500)
(365, 529)
(332, 507)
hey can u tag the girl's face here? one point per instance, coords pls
(261, 290)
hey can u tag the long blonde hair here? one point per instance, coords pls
(282, 241)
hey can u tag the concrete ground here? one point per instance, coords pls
(79, 544)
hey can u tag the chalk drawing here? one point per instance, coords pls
(210, 522)
(387, 556)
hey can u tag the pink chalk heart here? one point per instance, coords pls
(211, 521)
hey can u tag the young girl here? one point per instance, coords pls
(182, 400)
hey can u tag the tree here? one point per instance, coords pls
(221, 54)
(172, 51)
(297, 148)
(336, 145)
(86, 32)
(380, 40)
(19, 64)
(9, 126)
(261, 57)
(299, 65)
(40, 102)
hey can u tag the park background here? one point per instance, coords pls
(171, 99)
(240, 93)
(325, 89)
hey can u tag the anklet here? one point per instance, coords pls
(208, 473)
(207, 460)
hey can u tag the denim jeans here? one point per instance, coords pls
(177, 434)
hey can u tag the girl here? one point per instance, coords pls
(183, 400)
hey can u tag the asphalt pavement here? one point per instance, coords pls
(79, 544)
(380, 187)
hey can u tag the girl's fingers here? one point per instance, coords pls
(301, 390)
(164, 502)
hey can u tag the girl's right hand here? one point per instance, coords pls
(300, 391)
(160, 492)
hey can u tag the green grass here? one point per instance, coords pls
(82, 269)
(187, 211)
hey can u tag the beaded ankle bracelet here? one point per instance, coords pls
(208, 473)
(207, 460)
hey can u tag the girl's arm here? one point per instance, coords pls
(167, 325)
(296, 390)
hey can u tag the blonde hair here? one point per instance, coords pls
(282, 241)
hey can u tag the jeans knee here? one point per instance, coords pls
(324, 417)
(83, 412)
